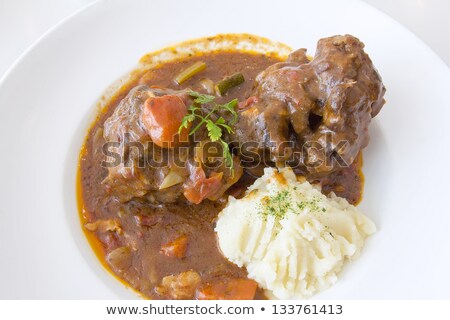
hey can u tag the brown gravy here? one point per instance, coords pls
(146, 228)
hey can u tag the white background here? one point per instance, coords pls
(351, 309)
(23, 21)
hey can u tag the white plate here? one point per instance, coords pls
(47, 102)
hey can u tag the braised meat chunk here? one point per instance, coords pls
(318, 111)
(158, 161)
(144, 165)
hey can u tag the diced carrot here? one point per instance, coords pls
(162, 117)
(176, 248)
(199, 187)
(233, 289)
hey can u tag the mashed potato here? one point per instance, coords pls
(292, 239)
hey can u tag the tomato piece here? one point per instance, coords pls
(247, 103)
(199, 187)
(176, 248)
(162, 117)
(232, 289)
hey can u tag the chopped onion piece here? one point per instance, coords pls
(120, 258)
(208, 85)
(173, 178)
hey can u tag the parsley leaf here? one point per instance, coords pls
(185, 122)
(227, 156)
(230, 106)
(214, 127)
(214, 131)
(193, 107)
(201, 98)
(221, 122)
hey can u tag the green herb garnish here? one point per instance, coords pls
(215, 128)
(312, 205)
(277, 205)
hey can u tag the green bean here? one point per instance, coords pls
(227, 83)
(190, 72)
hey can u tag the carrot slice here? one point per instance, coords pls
(176, 248)
(232, 289)
(162, 117)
